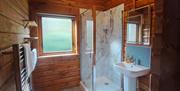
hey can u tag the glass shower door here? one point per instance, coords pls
(86, 50)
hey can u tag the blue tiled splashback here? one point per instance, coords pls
(141, 53)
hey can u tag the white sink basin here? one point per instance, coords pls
(132, 70)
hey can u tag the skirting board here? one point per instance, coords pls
(83, 87)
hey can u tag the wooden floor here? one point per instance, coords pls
(73, 89)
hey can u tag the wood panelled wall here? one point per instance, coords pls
(143, 82)
(12, 14)
(55, 73)
(101, 5)
(166, 46)
(112, 3)
(88, 4)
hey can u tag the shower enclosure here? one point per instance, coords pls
(103, 76)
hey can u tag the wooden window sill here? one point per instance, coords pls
(58, 55)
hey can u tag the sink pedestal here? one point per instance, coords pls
(129, 83)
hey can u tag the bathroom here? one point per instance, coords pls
(87, 45)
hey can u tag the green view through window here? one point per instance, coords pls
(57, 34)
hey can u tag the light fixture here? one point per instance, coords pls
(28, 23)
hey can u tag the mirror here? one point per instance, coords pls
(139, 26)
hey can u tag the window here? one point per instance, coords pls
(132, 33)
(89, 35)
(57, 34)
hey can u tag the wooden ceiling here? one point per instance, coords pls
(99, 4)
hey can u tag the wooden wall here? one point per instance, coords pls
(55, 73)
(7, 80)
(166, 46)
(12, 14)
(101, 5)
(112, 3)
(88, 4)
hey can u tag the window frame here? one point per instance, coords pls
(74, 35)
